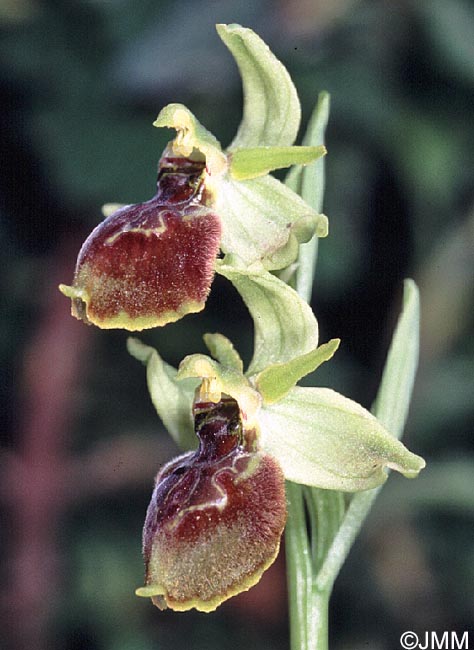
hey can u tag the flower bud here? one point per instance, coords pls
(216, 515)
(151, 263)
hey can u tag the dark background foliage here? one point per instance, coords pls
(81, 83)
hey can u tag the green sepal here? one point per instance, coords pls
(272, 111)
(223, 351)
(172, 399)
(284, 324)
(277, 380)
(221, 379)
(251, 163)
(192, 139)
(260, 217)
(325, 440)
(262, 220)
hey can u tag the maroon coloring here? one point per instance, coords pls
(152, 258)
(223, 504)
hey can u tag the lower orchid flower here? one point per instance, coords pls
(217, 513)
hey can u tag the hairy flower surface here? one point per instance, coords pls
(151, 263)
(216, 515)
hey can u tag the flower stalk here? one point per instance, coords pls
(316, 553)
(308, 606)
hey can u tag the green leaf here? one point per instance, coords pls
(285, 326)
(192, 139)
(171, 398)
(393, 397)
(251, 163)
(397, 381)
(326, 440)
(272, 112)
(277, 380)
(261, 217)
(220, 379)
(223, 350)
(309, 183)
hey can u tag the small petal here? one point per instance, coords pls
(252, 163)
(277, 380)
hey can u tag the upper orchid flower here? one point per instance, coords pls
(151, 263)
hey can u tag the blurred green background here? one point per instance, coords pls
(81, 83)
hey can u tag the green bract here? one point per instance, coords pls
(319, 437)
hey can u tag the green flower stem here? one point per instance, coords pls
(308, 601)
(318, 625)
(308, 604)
(299, 569)
(326, 509)
(333, 531)
(316, 553)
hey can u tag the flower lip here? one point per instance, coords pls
(215, 518)
(149, 264)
